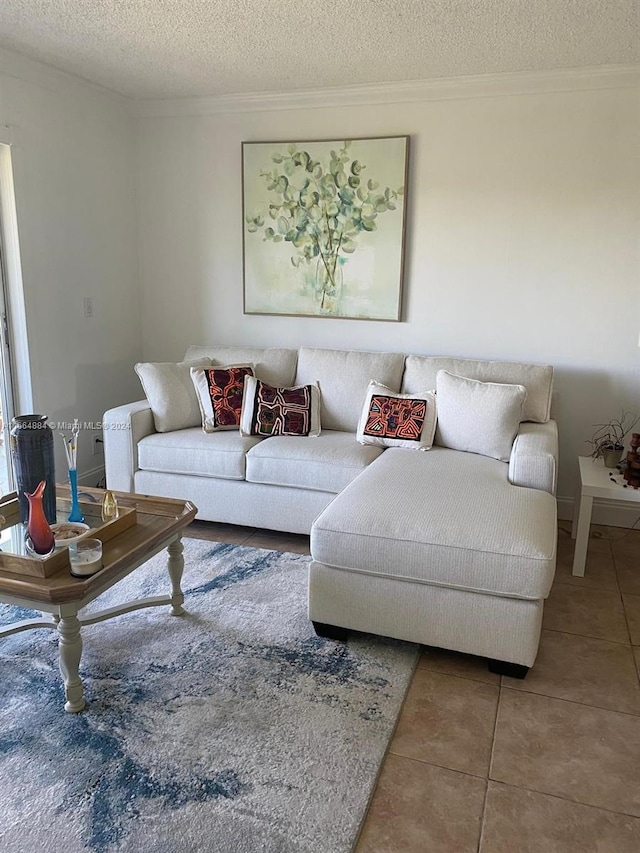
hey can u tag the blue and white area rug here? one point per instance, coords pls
(233, 729)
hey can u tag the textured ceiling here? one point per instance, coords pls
(171, 48)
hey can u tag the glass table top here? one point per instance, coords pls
(13, 537)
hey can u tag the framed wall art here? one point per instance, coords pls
(324, 227)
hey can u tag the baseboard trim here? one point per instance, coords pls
(610, 513)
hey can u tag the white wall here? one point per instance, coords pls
(73, 153)
(523, 214)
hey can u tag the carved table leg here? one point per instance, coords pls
(175, 565)
(70, 650)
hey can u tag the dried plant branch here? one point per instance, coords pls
(611, 436)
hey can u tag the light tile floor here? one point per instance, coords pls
(551, 764)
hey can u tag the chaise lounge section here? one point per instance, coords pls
(440, 549)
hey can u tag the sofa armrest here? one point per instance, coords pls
(122, 429)
(534, 457)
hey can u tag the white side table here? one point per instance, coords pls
(594, 483)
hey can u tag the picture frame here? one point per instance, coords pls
(324, 225)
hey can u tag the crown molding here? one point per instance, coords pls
(478, 86)
(22, 67)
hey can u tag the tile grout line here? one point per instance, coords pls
(581, 586)
(501, 683)
(438, 766)
(493, 746)
(574, 701)
(564, 799)
(624, 610)
(584, 586)
(574, 585)
(571, 702)
(633, 654)
(587, 636)
(463, 677)
(615, 569)
(455, 675)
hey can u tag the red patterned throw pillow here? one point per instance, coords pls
(270, 411)
(397, 420)
(395, 417)
(220, 392)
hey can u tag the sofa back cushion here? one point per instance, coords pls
(171, 394)
(273, 365)
(344, 378)
(420, 373)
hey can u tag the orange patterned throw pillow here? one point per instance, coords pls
(270, 411)
(220, 392)
(397, 420)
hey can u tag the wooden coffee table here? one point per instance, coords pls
(159, 524)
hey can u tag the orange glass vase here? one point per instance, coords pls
(38, 528)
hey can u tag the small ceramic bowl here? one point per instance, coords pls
(68, 531)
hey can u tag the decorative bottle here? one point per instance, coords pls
(32, 457)
(40, 533)
(109, 506)
(76, 513)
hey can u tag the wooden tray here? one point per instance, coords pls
(43, 567)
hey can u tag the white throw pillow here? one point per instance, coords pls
(171, 394)
(390, 419)
(220, 391)
(270, 411)
(479, 417)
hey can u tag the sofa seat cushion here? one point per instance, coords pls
(192, 451)
(326, 463)
(445, 517)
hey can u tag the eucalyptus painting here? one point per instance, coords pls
(323, 227)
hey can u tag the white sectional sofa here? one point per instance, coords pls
(446, 547)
